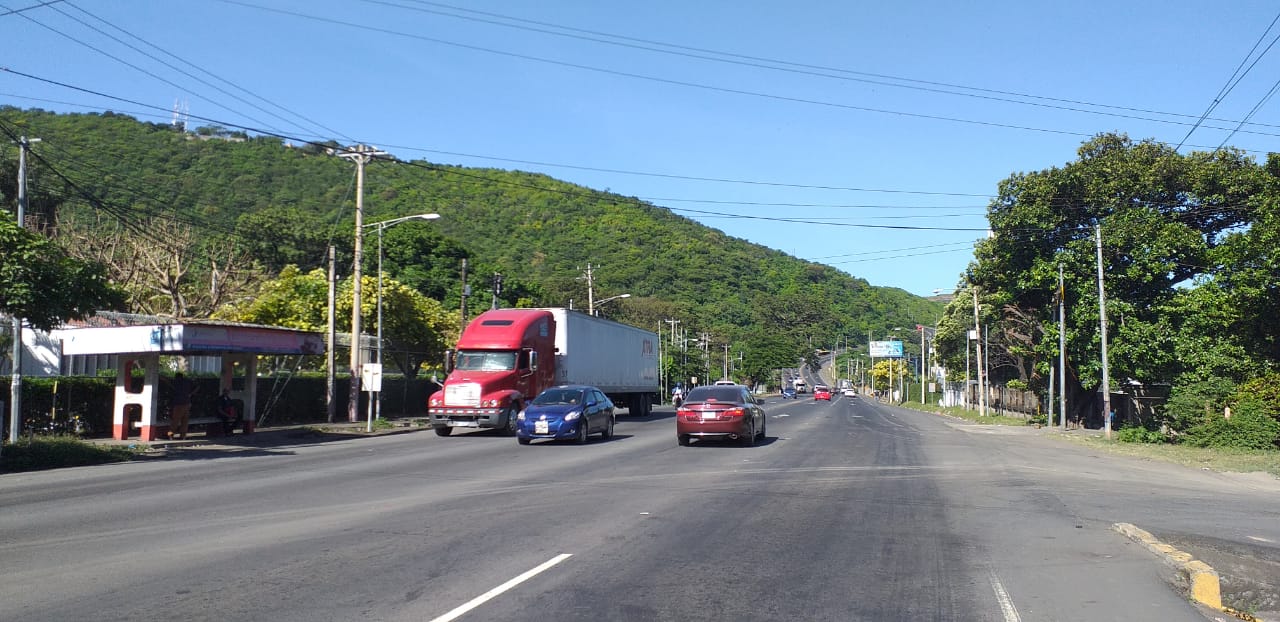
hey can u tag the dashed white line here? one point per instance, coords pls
(485, 597)
(1006, 604)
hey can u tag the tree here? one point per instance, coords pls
(416, 329)
(1162, 215)
(40, 284)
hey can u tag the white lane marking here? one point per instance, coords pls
(485, 597)
(1006, 604)
(1268, 540)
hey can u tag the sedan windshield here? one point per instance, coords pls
(559, 396)
(477, 360)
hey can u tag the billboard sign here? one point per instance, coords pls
(886, 349)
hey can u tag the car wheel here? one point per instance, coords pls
(749, 439)
(608, 429)
(443, 430)
(682, 439)
(762, 428)
(582, 431)
(523, 441)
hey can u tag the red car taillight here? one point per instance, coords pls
(735, 412)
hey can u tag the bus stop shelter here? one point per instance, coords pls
(138, 350)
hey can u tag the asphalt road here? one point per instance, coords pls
(851, 510)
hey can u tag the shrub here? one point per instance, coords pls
(56, 452)
(1196, 403)
(1250, 427)
(1140, 434)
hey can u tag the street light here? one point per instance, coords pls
(381, 225)
(592, 309)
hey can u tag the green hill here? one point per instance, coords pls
(100, 178)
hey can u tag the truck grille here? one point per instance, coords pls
(462, 394)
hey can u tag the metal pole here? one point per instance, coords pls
(15, 383)
(923, 353)
(331, 380)
(1102, 321)
(1062, 350)
(977, 327)
(381, 226)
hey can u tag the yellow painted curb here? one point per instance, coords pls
(1201, 578)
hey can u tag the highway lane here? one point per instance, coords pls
(851, 510)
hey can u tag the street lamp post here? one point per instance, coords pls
(592, 307)
(381, 225)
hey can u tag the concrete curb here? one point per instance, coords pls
(1202, 579)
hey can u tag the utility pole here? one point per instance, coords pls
(15, 384)
(361, 155)
(466, 292)
(726, 361)
(977, 328)
(497, 290)
(1102, 321)
(591, 294)
(923, 354)
(331, 337)
(1062, 350)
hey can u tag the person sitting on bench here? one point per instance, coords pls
(228, 412)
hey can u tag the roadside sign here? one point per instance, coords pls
(371, 377)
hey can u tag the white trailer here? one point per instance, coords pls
(616, 358)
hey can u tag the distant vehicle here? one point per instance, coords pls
(789, 393)
(720, 412)
(505, 357)
(566, 412)
(800, 386)
(849, 392)
(722, 383)
(821, 392)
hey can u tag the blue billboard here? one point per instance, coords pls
(886, 349)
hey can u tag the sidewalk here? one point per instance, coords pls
(271, 436)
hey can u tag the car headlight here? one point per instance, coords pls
(572, 415)
(520, 417)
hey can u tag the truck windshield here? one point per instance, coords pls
(478, 360)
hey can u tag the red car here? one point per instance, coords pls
(720, 411)
(821, 392)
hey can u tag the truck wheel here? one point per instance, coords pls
(443, 430)
(509, 422)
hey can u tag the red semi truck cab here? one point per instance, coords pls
(504, 358)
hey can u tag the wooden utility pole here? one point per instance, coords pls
(466, 292)
(361, 155)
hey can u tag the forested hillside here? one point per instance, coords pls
(196, 223)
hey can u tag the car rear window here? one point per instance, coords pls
(719, 394)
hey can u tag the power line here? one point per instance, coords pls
(197, 67)
(695, 85)
(34, 6)
(1233, 80)
(801, 68)
(131, 65)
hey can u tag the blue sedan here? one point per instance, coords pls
(566, 412)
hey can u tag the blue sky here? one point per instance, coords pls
(866, 136)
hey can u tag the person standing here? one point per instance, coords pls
(180, 406)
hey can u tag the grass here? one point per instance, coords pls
(1217, 459)
(55, 452)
